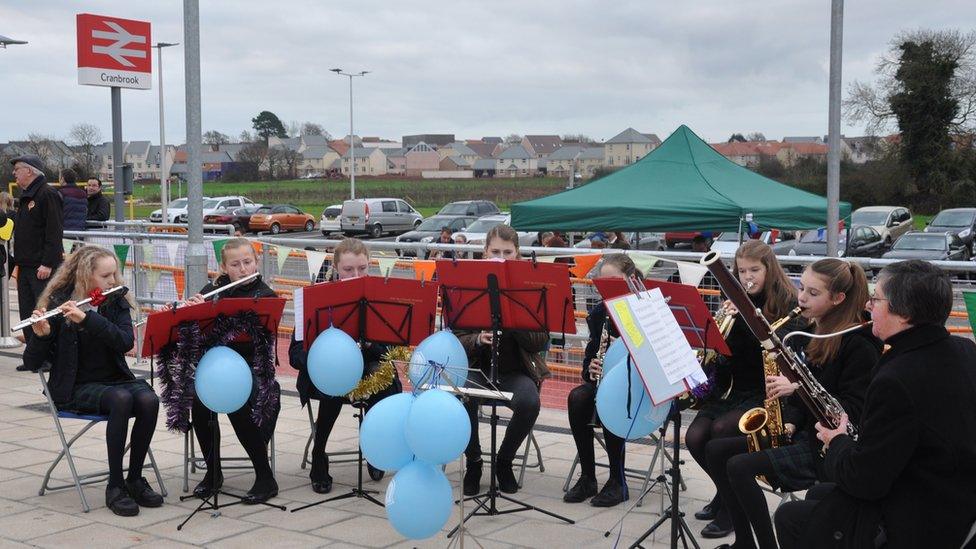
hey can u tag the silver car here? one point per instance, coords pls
(377, 216)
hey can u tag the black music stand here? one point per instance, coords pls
(359, 317)
(469, 296)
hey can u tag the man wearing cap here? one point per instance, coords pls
(37, 234)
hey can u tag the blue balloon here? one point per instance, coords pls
(443, 349)
(382, 436)
(419, 500)
(223, 380)
(335, 362)
(611, 404)
(438, 428)
(615, 355)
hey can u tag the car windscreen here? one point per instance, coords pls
(265, 210)
(934, 242)
(454, 209)
(210, 204)
(434, 223)
(332, 212)
(178, 203)
(954, 219)
(482, 225)
(869, 218)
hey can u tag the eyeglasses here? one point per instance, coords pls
(874, 300)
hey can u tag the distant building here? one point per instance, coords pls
(434, 140)
(420, 158)
(586, 158)
(515, 161)
(541, 146)
(628, 147)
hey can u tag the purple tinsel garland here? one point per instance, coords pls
(178, 360)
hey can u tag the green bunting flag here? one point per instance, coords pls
(218, 246)
(283, 252)
(121, 252)
(970, 299)
(67, 245)
(152, 278)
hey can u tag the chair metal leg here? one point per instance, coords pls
(66, 453)
(306, 460)
(186, 462)
(529, 442)
(272, 450)
(538, 452)
(159, 477)
(572, 472)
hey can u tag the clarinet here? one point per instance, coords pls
(604, 345)
(821, 404)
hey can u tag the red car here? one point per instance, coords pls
(281, 217)
(685, 237)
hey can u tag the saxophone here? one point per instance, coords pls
(763, 426)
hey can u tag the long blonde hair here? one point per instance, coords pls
(74, 276)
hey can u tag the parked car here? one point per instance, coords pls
(864, 242)
(958, 221)
(673, 238)
(376, 216)
(476, 208)
(889, 221)
(176, 210)
(329, 222)
(281, 217)
(648, 241)
(477, 231)
(430, 229)
(240, 218)
(728, 242)
(929, 245)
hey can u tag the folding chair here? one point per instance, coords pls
(89, 478)
(522, 459)
(306, 457)
(192, 462)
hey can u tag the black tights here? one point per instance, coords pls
(704, 429)
(247, 432)
(119, 404)
(733, 470)
(581, 404)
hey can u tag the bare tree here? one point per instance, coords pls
(871, 104)
(756, 136)
(86, 137)
(245, 137)
(215, 139)
(580, 138)
(311, 128)
(513, 138)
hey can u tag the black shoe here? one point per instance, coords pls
(472, 477)
(584, 488)
(710, 511)
(715, 530)
(26, 368)
(118, 500)
(322, 486)
(261, 492)
(374, 473)
(613, 493)
(143, 494)
(207, 486)
(506, 477)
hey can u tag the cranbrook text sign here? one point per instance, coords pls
(114, 52)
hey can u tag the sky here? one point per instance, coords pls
(472, 68)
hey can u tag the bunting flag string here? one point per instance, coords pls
(644, 262)
(283, 253)
(424, 269)
(173, 248)
(121, 252)
(152, 278)
(691, 273)
(315, 260)
(584, 263)
(386, 265)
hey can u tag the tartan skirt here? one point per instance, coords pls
(86, 397)
(795, 465)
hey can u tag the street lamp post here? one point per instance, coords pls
(5, 41)
(163, 166)
(352, 140)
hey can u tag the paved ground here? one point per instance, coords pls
(28, 443)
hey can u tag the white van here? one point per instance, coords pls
(376, 216)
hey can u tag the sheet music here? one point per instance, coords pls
(299, 305)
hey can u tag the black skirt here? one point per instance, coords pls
(87, 397)
(716, 407)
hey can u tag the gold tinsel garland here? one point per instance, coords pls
(383, 376)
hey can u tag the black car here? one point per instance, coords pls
(238, 217)
(929, 245)
(865, 242)
(476, 208)
(958, 221)
(430, 229)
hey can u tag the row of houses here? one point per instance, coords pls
(438, 155)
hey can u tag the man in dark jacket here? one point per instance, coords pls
(909, 480)
(74, 201)
(37, 234)
(99, 208)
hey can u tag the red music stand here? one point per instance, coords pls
(396, 311)
(504, 295)
(686, 304)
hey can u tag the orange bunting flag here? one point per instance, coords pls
(424, 270)
(584, 263)
(179, 279)
(257, 247)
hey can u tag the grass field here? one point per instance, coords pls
(315, 195)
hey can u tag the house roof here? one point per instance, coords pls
(808, 148)
(138, 148)
(481, 148)
(339, 145)
(462, 149)
(655, 140)
(215, 157)
(514, 152)
(630, 135)
(802, 139)
(492, 140)
(315, 140)
(362, 152)
(458, 161)
(316, 153)
(544, 144)
(421, 147)
(233, 149)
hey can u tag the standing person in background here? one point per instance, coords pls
(99, 208)
(444, 238)
(74, 202)
(37, 233)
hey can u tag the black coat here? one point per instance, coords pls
(846, 378)
(99, 208)
(913, 469)
(254, 289)
(38, 230)
(595, 321)
(111, 322)
(298, 357)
